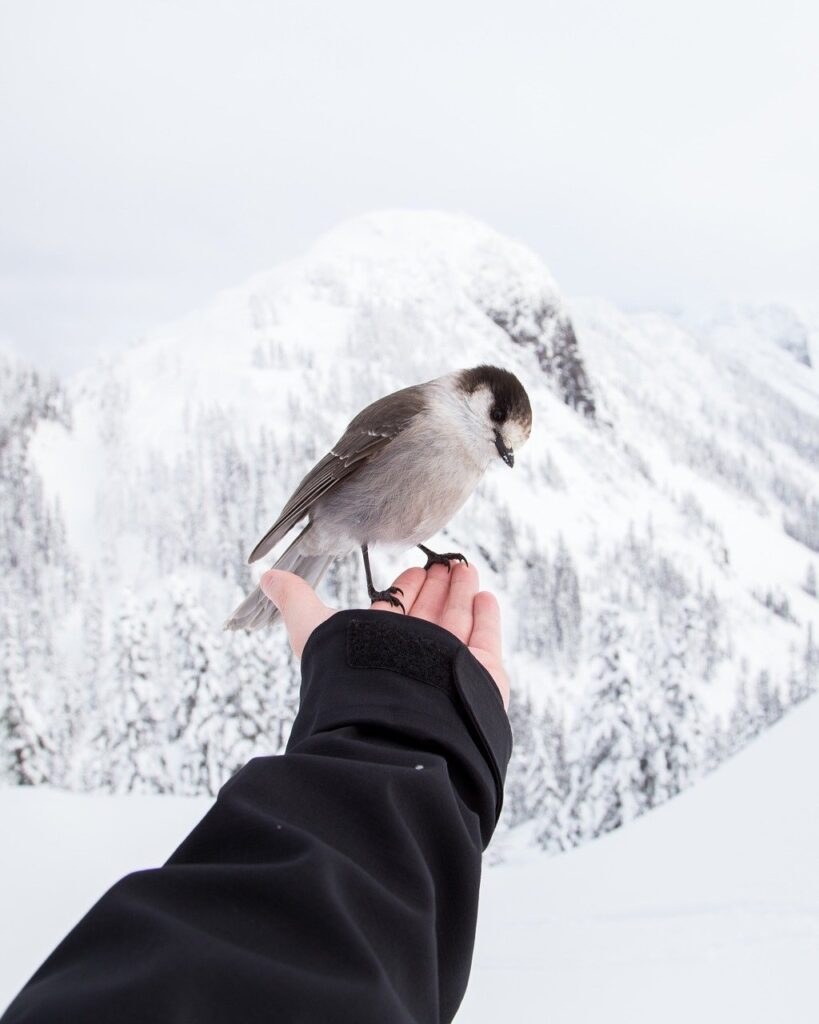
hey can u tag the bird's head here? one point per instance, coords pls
(501, 407)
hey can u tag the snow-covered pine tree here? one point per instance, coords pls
(12, 670)
(768, 699)
(230, 501)
(802, 522)
(609, 789)
(184, 522)
(743, 724)
(803, 680)
(681, 737)
(566, 611)
(811, 661)
(554, 812)
(281, 685)
(197, 699)
(527, 775)
(93, 635)
(706, 641)
(261, 697)
(534, 628)
(138, 720)
(264, 467)
(25, 742)
(715, 746)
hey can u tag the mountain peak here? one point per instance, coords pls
(381, 301)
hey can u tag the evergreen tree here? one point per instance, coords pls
(196, 718)
(261, 697)
(743, 725)
(231, 487)
(682, 739)
(611, 782)
(804, 677)
(12, 671)
(768, 700)
(566, 612)
(715, 746)
(264, 469)
(138, 720)
(527, 778)
(93, 636)
(811, 661)
(534, 630)
(556, 782)
(98, 680)
(24, 741)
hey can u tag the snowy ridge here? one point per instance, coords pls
(652, 549)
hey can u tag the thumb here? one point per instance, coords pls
(300, 608)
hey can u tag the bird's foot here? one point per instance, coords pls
(433, 558)
(387, 595)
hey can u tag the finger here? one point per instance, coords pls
(300, 608)
(431, 601)
(458, 611)
(410, 581)
(486, 625)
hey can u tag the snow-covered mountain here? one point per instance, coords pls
(654, 549)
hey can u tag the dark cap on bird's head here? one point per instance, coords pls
(508, 406)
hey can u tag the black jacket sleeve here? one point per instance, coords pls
(336, 882)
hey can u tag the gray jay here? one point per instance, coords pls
(401, 470)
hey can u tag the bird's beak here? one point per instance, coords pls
(505, 453)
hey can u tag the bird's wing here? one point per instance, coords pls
(371, 431)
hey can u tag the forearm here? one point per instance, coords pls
(337, 882)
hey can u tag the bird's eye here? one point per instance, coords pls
(497, 415)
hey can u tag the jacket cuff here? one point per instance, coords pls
(373, 668)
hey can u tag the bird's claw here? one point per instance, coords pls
(388, 595)
(451, 556)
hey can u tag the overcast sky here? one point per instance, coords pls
(661, 155)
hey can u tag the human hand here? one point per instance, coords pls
(448, 599)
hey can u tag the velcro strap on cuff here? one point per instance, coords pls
(376, 644)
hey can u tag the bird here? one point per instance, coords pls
(399, 472)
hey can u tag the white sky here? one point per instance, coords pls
(661, 155)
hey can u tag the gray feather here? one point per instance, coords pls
(368, 433)
(257, 611)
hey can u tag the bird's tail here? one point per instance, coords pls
(257, 611)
